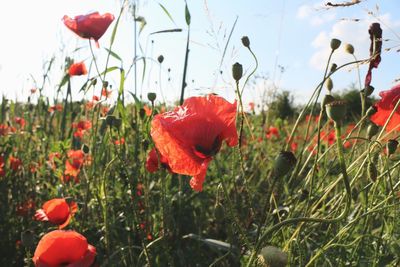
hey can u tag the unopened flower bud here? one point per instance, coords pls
(349, 49)
(335, 43)
(336, 110)
(368, 90)
(372, 171)
(371, 111)
(327, 99)
(246, 41)
(329, 84)
(283, 163)
(237, 71)
(151, 96)
(160, 59)
(333, 67)
(391, 146)
(372, 130)
(85, 148)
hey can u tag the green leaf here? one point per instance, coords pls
(121, 82)
(166, 12)
(187, 15)
(113, 54)
(166, 31)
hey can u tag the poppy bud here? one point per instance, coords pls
(219, 212)
(333, 67)
(113, 121)
(151, 96)
(391, 146)
(372, 171)
(335, 43)
(283, 163)
(349, 48)
(28, 238)
(336, 110)
(160, 59)
(368, 90)
(372, 130)
(327, 99)
(237, 71)
(142, 113)
(246, 41)
(371, 111)
(94, 82)
(105, 84)
(329, 84)
(273, 256)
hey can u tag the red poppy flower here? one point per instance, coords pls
(385, 106)
(64, 248)
(272, 131)
(77, 69)
(190, 135)
(55, 108)
(119, 141)
(74, 163)
(147, 110)
(4, 129)
(81, 128)
(2, 163)
(251, 106)
(20, 121)
(152, 161)
(57, 211)
(90, 26)
(15, 163)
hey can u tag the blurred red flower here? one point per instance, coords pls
(190, 135)
(20, 121)
(385, 106)
(77, 69)
(272, 131)
(57, 211)
(2, 172)
(90, 26)
(23, 209)
(81, 127)
(120, 141)
(64, 248)
(251, 106)
(74, 163)
(15, 163)
(57, 107)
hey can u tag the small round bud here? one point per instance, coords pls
(372, 171)
(333, 67)
(349, 49)
(237, 71)
(335, 43)
(329, 84)
(391, 146)
(371, 111)
(151, 96)
(283, 163)
(372, 130)
(327, 99)
(245, 41)
(336, 110)
(160, 59)
(368, 90)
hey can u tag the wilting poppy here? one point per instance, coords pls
(190, 135)
(77, 69)
(57, 211)
(90, 26)
(385, 106)
(64, 248)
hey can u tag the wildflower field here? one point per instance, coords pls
(124, 179)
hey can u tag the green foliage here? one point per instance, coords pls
(282, 106)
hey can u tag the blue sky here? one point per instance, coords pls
(291, 34)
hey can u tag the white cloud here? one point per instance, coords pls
(315, 14)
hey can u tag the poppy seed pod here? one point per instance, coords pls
(336, 110)
(368, 90)
(237, 71)
(246, 41)
(283, 163)
(327, 99)
(335, 43)
(391, 146)
(160, 59)
(371, 111)
(151, 96)
(329, 84)
(333, 67)
(349, 49)
(372, 130)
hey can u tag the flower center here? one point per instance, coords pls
(205, 152)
